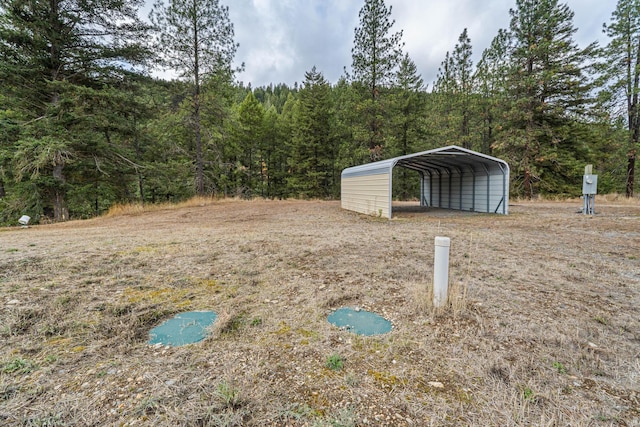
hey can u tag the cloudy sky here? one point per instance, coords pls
(281, 39)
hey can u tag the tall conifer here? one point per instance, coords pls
(622, 59)
(548, 87)
(376, 55)
(195, 39)
(313, 151)
(59, 60)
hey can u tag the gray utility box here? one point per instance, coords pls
(590, 184)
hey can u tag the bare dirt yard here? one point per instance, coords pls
(542, 327)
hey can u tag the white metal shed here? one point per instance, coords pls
(450, 177)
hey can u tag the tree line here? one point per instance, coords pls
(83, 126)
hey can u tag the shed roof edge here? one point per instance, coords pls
(384, 166)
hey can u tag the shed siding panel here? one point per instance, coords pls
(444, 196)
(367, 194)
(481, 192)
(467, 192)
(455, 191)
(436, 191)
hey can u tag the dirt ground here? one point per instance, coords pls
(542, 326)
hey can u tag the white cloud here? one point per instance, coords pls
(432, 28)
(281, 39)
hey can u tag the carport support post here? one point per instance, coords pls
(441, 271)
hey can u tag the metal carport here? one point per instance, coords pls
(450, 177)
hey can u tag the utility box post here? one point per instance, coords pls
(589, 190)
(441, 271)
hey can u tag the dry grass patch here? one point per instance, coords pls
(138, 208)
(541, 326)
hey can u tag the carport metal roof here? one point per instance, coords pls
(439, 160)
(442, 159)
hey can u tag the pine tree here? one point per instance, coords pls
(346, 117)
(376, 55)
(548, 87)
(9, 134)
(622, 60)
(408, 119)
(276, 155)
(490, 79)
(195, 39)
(250, 140)
(162, 147)
(442, 102)
(464, 85)
(58, 59)
(409, 100)
(313, 154)
(454, 90)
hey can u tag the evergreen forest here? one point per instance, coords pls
(83, 126)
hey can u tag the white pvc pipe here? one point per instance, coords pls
(441, 271)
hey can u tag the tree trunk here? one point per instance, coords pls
(138, 159)
(527, 182)
(631, 171)
(528, 186)
(196, 109)
(60, 210)
(634, 120)
(198, 132)
(141, 187)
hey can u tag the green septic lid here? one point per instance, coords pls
(184, 328)
(360, 322)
